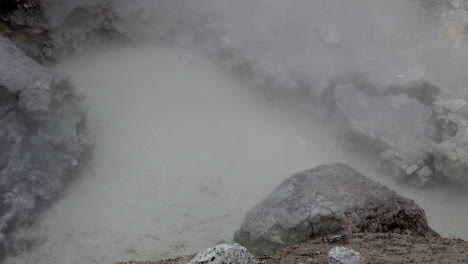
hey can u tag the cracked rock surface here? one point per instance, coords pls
(326, 200)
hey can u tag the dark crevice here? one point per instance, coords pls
(8, 6)
(8, 101)
(312, 230)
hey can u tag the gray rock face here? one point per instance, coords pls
(224, 253)
(42, 138)
(342, 255)
(325, 200)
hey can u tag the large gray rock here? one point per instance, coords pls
(342, 255)
(325, 200)
(224, 253)
(42, 136)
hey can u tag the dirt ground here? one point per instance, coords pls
(381, 248)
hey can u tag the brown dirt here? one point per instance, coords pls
(380, 248)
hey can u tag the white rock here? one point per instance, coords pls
(342, 255)
(224, 253)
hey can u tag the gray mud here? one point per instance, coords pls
(183, 150)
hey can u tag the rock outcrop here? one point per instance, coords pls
(42, 136)
(325, 200)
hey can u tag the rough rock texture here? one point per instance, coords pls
(224, 253)
(42, 138)
(342, 255)
(325, 200)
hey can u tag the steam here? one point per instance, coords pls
(184, 148)
(183, 151)
(316, 40)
